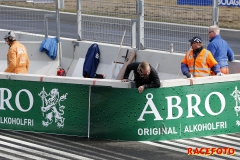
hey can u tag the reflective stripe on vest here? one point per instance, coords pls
(194, 68)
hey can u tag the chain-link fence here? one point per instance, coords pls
(114, 17)
(166, 22)
(169, 23)
(21, 20)
(161, 22)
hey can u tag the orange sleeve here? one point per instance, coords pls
(184, 60)
(211, 60)
(12, 60)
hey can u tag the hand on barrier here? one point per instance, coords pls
(189, 75)
(140, 89)
(220, 74)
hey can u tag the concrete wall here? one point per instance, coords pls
(166, 64)
(74, 52)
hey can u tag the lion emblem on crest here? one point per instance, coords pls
(51, 108)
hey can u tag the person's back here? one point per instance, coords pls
(220, 49)
(17, 57)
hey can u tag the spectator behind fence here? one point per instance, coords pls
(198, 62)
(145, 76)
(17, 57)
(220, 49)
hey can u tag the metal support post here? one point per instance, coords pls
(140, 24)
(58, 33)
(46, 16)
(133, 37)
(215, 14)
(79, 20)
(171, 48)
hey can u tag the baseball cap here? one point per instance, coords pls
(196, 39)
(10, 34)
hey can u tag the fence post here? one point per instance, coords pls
(133, 37)
(215, 14)
(140, 24)
(79, 20)
(58, 32)
(46, 16)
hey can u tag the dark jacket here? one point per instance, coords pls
(91, 61)
(152, 81)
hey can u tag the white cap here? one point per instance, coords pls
(10, 34)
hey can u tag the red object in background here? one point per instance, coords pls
(61, 72)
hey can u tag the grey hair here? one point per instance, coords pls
(215, 28)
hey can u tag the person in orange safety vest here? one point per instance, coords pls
(17, 56)
(198, 61)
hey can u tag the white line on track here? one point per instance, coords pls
(9, 156)
(230, 137)
(224, 140)
(216, 143)
(25, 149)
(199, 144)
(21, 154)
(176, 149)
(187, 146)
(44, 148)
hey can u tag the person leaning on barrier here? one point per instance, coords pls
(17, 56)
(145, 76)
(220, 49)
(198, 61)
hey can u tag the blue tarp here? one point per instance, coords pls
(49, 46)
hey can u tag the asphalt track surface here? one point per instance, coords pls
(16, 145)
(40, 146)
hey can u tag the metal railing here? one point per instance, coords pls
(153, 24)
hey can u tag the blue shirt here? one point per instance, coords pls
(220, 51)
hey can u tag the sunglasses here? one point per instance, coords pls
(139, 70)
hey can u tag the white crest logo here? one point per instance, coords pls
(236, 95)
(51, 107)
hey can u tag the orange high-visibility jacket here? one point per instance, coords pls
(201, 66)
(17, 58)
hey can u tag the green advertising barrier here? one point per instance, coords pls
(165, 113)
(44, 107)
